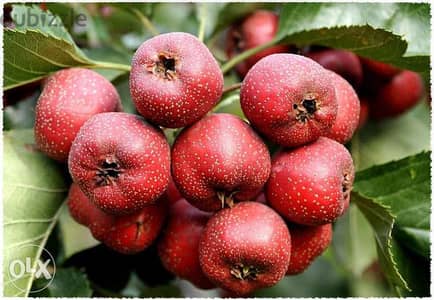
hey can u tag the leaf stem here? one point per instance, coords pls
(242, 56)
(110, 66)
(201, 33)
(145, 21)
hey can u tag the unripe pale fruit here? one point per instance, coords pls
(311, 184)
(258, 28)
(174, 80)
(307, 243)
(397, 96)
(289, 99)
(344, 63)
(120, 162)
(219, 160)
(69, 98)
(126, 234)
(347, 117)
(178, 247)
(245, 248)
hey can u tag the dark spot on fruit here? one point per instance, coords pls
(169, 64)
(308, 106)
(244, 272)
(108, 171)
(164, 67)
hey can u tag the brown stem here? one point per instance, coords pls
(231, 88)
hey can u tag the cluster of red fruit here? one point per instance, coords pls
(384, 90)
(122, 166)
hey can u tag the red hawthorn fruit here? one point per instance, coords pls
(397, 96)
(219, 160)
(133, 233)
(364, 112)
(245, 248)
(378, 68)
(344, 63)
(79, 205)
(172, 192)
(174, 80)
(289, 99)
(255, 30)
(69, 98)
(310, 185)
(178, 247)
(126, 234)
(347, 117)
(120, 162)
(307, 243)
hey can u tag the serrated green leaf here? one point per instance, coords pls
(31, 55)
(395, 198)
(396, 33)
(32, 17)
(67, 282)
(33, 191)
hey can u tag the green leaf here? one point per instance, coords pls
(353, 242)
(32, 17)
(395, 198)
(33, 52)
(31, 55)
(109, 55)
(396, 33)
(381, 142)
(74, 237)
(33, 191)
(67, 282)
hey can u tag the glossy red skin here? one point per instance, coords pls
(249, 233)
(344, 63)
(306, 184)
(347, 117)
(257, 29)
(220, 153)
(364, 112)
(126, 234)
(69, 98)
(278, 82)
(187, 98)
(172, 192)
(379, 68)
(133, 233)
(307, 243)
(79, 205)
(397, 96)
(140, 150)
(178, 247)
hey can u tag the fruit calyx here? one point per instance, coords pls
(165, 66)
(346, 185)
(306, 108)
(243, 272)
(226, 198)
(108, 171)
